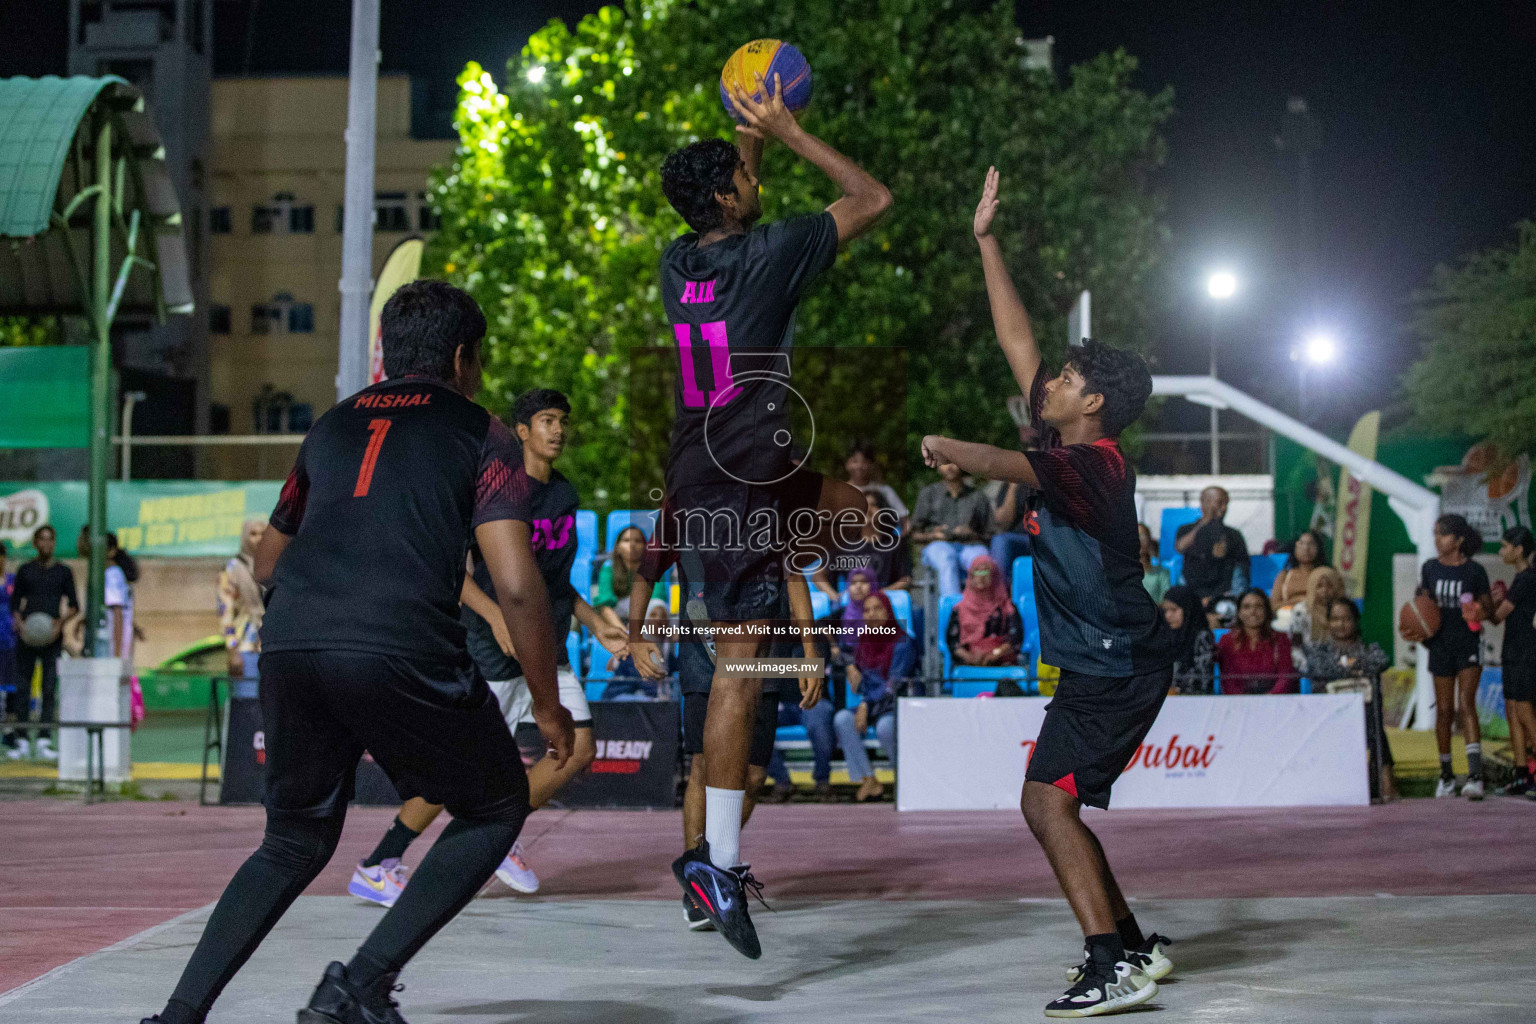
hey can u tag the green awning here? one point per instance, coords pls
(45, 161)
(38, 121)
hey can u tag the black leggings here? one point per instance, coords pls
(292, 854)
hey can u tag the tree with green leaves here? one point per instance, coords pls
(1476, 327)
(553, 216)
(19, 331)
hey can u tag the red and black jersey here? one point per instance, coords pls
(382, 504)
(1095, 616)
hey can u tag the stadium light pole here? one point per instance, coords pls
(1221, 286)
(356, 283)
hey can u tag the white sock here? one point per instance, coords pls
(722, 825)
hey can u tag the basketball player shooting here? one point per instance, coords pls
(1097, 622)
(730, 289)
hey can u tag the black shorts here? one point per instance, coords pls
(1520, 682)
(723, 544)
(765, 725)
(1093, 726)
(1449, 655)
(436, 734)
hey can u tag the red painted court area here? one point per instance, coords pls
(81, 878)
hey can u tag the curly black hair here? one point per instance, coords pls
(530, 403)
(1120, 376)
(691, 176)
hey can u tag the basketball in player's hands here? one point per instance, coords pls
(1419, 619)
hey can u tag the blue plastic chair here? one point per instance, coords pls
(1023, 578)
(1173, 518)
(901, 606)
(573, 653)
(975, 673)
(1175, 566)
(586, 534)
(968, 689)
(619, 518)
(597, 662)
(581, 576)
(1263, 570)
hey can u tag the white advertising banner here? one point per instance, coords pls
(1266, 751)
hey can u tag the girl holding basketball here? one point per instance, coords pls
(1459, 586)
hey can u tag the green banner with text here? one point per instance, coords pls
(167, 518)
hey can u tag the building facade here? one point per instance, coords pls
(275, 191)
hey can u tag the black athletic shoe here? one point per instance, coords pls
(722, 895)
(1103, 990)
(338, 1001)
(694, 915)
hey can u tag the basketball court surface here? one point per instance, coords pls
(1415, 912)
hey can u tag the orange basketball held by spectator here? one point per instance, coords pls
(1419, 619)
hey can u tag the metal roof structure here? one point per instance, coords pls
(47, 176)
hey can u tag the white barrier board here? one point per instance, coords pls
(1268, 751)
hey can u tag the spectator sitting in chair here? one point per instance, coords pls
(1215, 555)
(1154, 577)
(883, 659)
(1196, 645)
(1290, 586)
(864, 473)
(1254, 657)
(985, 628)
(1343, 654)
(1324, 586)
(880, 548)
(617, 576)
(954, 520)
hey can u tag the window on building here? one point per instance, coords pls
(284, 215)
(218, 319)
(427, 219)
(282, 314)
(219, 221)
(390, 212)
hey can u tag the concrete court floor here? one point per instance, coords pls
(1340, 960)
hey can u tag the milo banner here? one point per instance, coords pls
(1352, 525)
(177, 518)
(638, 745)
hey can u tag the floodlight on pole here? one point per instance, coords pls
(1320, 348)
(1221, 285)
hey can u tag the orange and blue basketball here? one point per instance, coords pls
(767, 57)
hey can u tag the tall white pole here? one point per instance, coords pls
(357, 217)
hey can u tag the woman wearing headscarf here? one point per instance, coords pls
(1195, 644)
(883, 658)
(240, 604)
(985, 628)
(1309, 617)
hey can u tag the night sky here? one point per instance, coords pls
(1426, 149)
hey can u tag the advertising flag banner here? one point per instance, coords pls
(402, 267)
(1352, 527)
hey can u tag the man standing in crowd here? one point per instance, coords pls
(954, 519)
(43, 585)
(1215, 555)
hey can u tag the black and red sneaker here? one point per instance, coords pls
(722, 894)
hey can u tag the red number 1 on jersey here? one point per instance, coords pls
(378, 428)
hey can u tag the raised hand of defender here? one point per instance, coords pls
(771, 117)
(557, 728)
(981, 226)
